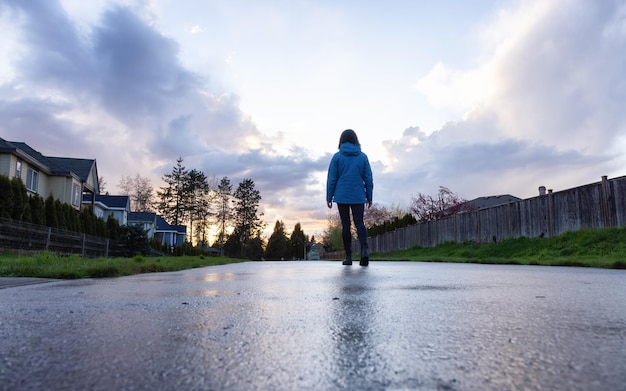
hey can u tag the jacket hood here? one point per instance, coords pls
(349, 149)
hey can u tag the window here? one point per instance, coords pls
(76, 195)
(18, 169)
(32, 180)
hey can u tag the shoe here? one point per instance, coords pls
(365, 259)
(347, 262)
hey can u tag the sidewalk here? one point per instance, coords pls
(10, 282)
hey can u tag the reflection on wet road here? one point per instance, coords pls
(320, 325)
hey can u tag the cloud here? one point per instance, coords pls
(117, 90)
(549, 109)
(196, 30)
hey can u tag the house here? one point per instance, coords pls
(67, 179)
(173, 235)
(491, 201)
(146, 220)
(316, 251)
(104, 206)
(157, 227)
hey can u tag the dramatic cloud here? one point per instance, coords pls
(543, 107)
(119, 93)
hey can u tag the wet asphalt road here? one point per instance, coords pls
(320, 326)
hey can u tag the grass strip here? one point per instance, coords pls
(599, 248)
(49, 265)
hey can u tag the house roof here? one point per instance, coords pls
(163, 225)
(489, 201)
(111, 201)
(81, 168)
(181, 229)
(142, 216)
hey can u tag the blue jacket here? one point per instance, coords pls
(349, 176)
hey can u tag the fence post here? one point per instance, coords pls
(106, 248)
(48, 239)
(605, 202)
(84, 238)
(550, 214)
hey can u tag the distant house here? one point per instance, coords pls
(104, 206)
(316, 251)
(156, 226)
(490, 201)
(67, 179)
(173, 235)
(146, 220)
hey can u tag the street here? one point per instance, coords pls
(318, 325)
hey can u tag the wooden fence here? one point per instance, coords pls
(597, 205)
(17, 235)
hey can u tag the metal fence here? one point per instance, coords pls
(17, 235)
(596, 205)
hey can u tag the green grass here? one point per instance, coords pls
(600, 248)
(49, 265)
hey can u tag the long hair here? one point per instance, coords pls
(348, 136)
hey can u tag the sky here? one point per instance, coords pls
(485, 97)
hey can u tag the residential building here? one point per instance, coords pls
(146, 220)
(67, 179)
(156, 226)
(173, 235)
(106, 205)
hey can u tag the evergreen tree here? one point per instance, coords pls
(74, 219)
(233, 246)
(196, 190)
(27, 216)
(278, 246)
(298, 241)
(87, 221)
(113, 228)
(224, 214)
(6, 197)
(60, 209)
(254, 247)
(101, 227)
(51, 212)
(172, 198)
(247, 222)
(37, 210)
(20, 199)
(134, 240)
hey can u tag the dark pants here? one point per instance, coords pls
(357, 216)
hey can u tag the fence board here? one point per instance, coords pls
(17, 235)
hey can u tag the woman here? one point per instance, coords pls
(350, 185)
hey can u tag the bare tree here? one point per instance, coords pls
(377, 214)
(140, 191)
(445, 203)
(102, 185)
